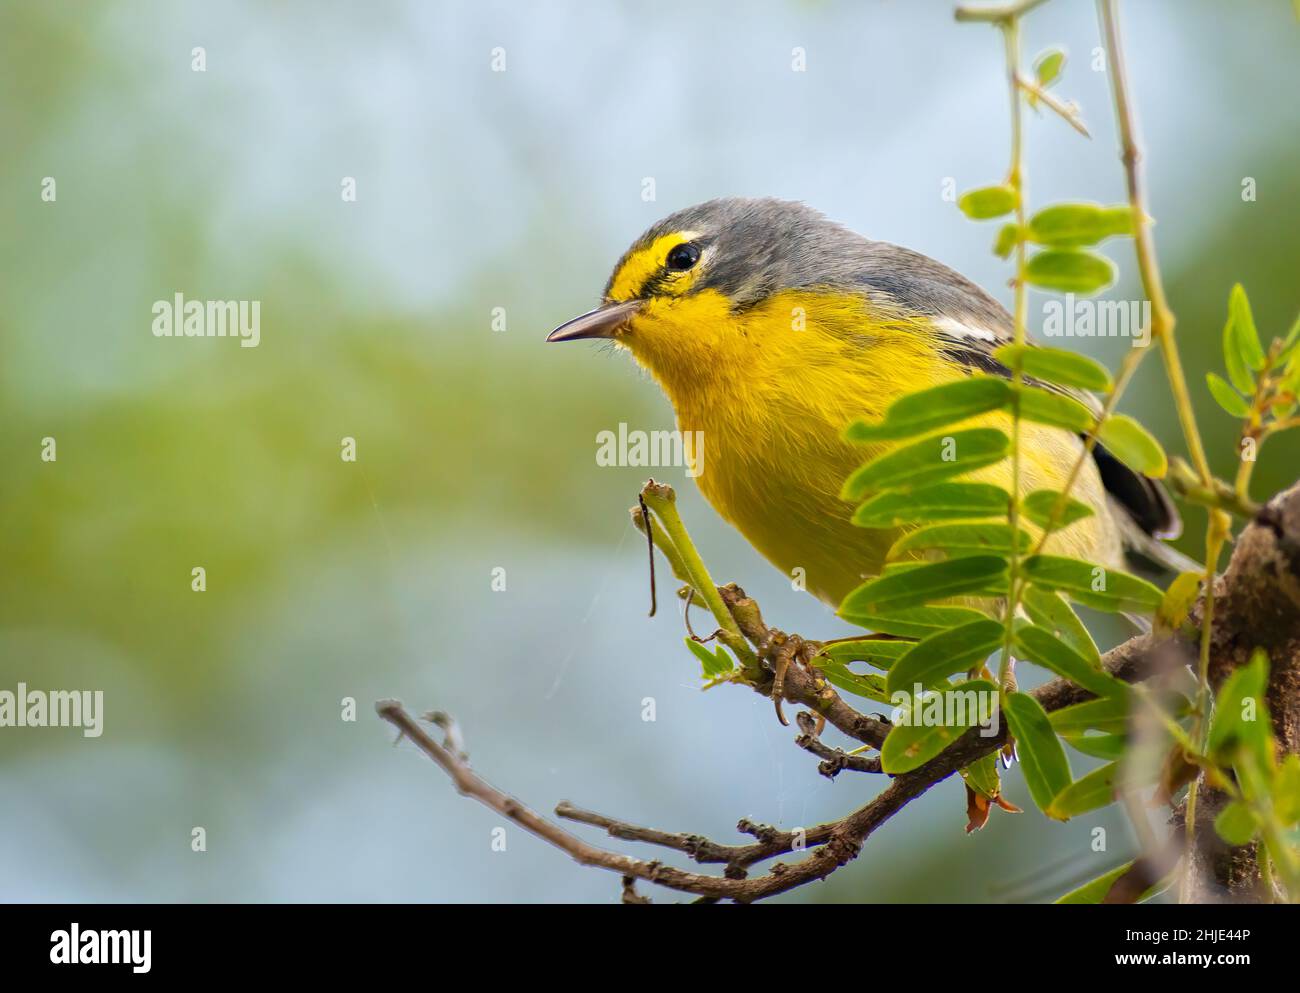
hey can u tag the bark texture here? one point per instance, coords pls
(1258, 606)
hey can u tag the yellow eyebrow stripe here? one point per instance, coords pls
(643, 264)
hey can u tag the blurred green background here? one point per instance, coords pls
(476, 448)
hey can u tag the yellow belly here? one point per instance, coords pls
(783, 496)
(772, 404)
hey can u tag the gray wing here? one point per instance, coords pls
(971, 324)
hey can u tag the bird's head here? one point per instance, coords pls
(685, 295)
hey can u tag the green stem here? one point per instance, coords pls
(1254, 428)
(1162, 331)
(1216, 533)
(664, 544)
(996, 13)
(1266, 872)
(1218, 496)
(1067, 113)
(1162, 318)
(1241, 485)
(661, 499)
(1015, 179)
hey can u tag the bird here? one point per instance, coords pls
(770, 328)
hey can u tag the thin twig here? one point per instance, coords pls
(1016, 180)
(686, 616)
(842, 844)
(1162, 318)
(771, 841)
(630, 895)
(1220, 495)
(996, 12)
(1067, 111)
(650, 549)
(831, 845)
(834, 760)
(1162, 330)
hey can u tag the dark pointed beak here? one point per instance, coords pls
(604, 322)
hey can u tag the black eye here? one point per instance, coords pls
(682, 257)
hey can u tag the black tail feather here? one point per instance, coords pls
(1144, 499)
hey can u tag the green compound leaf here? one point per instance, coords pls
(981, 537)
(936, 407)
(878, 652)
(911, 622)
(1048, 66)
(1007, 239)
(1047, 770)
(1226, 397)
(1244, 333)
(1056, 365)
(1133, 445)
(929, 460)
(987, 202)
(1041, 646)
(945, 653)
(982, 776)
(1039, 506)
(1290, 345)
(1286, 790)
(1108, 714)
(910, 745)
(713, 663)
(936, 502)
(1291, 384)
(1070, 270)
(1099, 746)
(1095, 891)
(1234, 350)
(1096, 789)
(867, 685)
(1178, 599)
(995, 587)
(1092, 585)
(935, 581)
(1074, 225)
(1236, 824)
(1240, 713)
(1051, 611)
(1055, 409)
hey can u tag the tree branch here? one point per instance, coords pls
(799, 684)
(834, 760)
(832, 845)
(737, 858)
(1259, 607)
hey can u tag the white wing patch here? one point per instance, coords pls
(960, 331)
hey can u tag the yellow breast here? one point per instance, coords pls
(772, 389)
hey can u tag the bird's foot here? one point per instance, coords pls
(786, 650)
